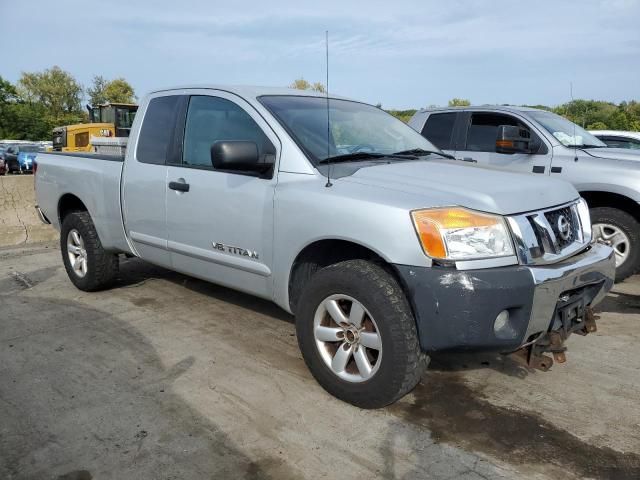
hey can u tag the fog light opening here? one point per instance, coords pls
(502, 326)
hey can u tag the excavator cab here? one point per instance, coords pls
(119, 114)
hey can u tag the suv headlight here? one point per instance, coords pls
(456, 233)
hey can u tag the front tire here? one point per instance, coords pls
(358, 336)
(621, 231)
(88, 265)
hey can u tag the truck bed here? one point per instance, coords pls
(95, 180)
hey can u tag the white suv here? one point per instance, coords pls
(618, 138)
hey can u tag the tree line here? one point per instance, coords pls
(40, 101)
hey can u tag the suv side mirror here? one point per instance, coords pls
(512, 139)
(239, 155)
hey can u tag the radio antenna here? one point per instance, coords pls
(326, 91)
(575, 146)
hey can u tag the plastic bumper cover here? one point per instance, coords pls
(457, 309)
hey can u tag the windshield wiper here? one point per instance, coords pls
(350, 157)
(421, 152)
(590, 146)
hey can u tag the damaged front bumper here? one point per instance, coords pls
(509, 308)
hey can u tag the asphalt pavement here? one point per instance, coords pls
(168, 377)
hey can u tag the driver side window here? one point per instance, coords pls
(483, 130)
(213, 119)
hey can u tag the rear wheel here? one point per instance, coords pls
(358, 335)
(88, 265)
(621, 231)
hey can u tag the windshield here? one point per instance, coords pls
(354, 127)
(566, 132)
(29, 148)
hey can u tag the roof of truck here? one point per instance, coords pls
(504, 108)
(251, 91)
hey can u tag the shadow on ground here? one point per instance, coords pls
(84, 395)
(135, 273)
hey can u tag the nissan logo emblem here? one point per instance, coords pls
(564, 229)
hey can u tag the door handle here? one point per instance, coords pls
(179, 186)
(468, 159)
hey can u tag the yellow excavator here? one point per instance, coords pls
(105, 120)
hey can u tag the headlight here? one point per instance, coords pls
(585, 220)
(455, 233)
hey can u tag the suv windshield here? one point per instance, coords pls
(29, 148)
(566, 132)
(354, 128)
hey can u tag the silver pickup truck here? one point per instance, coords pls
(533, 141)
(382, 247)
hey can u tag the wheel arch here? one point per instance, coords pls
(329, 251)
(613, 200)
(69, 203)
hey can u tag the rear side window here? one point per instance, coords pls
(439, 130)
(156, 134)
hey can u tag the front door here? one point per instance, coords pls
(480, 145)
(220, 223)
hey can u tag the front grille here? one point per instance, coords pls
(549, 235)
(563, 226)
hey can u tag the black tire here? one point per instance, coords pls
(402, 363)
(102, 266)
(631, 227)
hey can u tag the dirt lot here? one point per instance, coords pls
(167, 377)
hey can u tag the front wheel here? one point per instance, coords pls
(621, 231)
(358, 335)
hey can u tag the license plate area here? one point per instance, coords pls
(570, 313)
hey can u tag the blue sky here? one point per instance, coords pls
(404, 54)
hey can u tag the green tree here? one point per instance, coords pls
(8, 97)
(597, 126)
(20, 120)
(302, 84)
(404, 115)
(459, 102)
(96, 90)
(54, 88)
(115, 91)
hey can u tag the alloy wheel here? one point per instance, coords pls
(77, 253)
(347, 338)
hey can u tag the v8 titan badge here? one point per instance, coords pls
(235, 250)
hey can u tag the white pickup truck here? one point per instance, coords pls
(383, 247)
(527, 140)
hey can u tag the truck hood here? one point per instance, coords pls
(614, 153)
(447, 182)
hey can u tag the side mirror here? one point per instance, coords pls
(512, 139)
(239, 155)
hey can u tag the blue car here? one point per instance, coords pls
(20, 158)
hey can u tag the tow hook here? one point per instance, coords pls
(533, 354)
